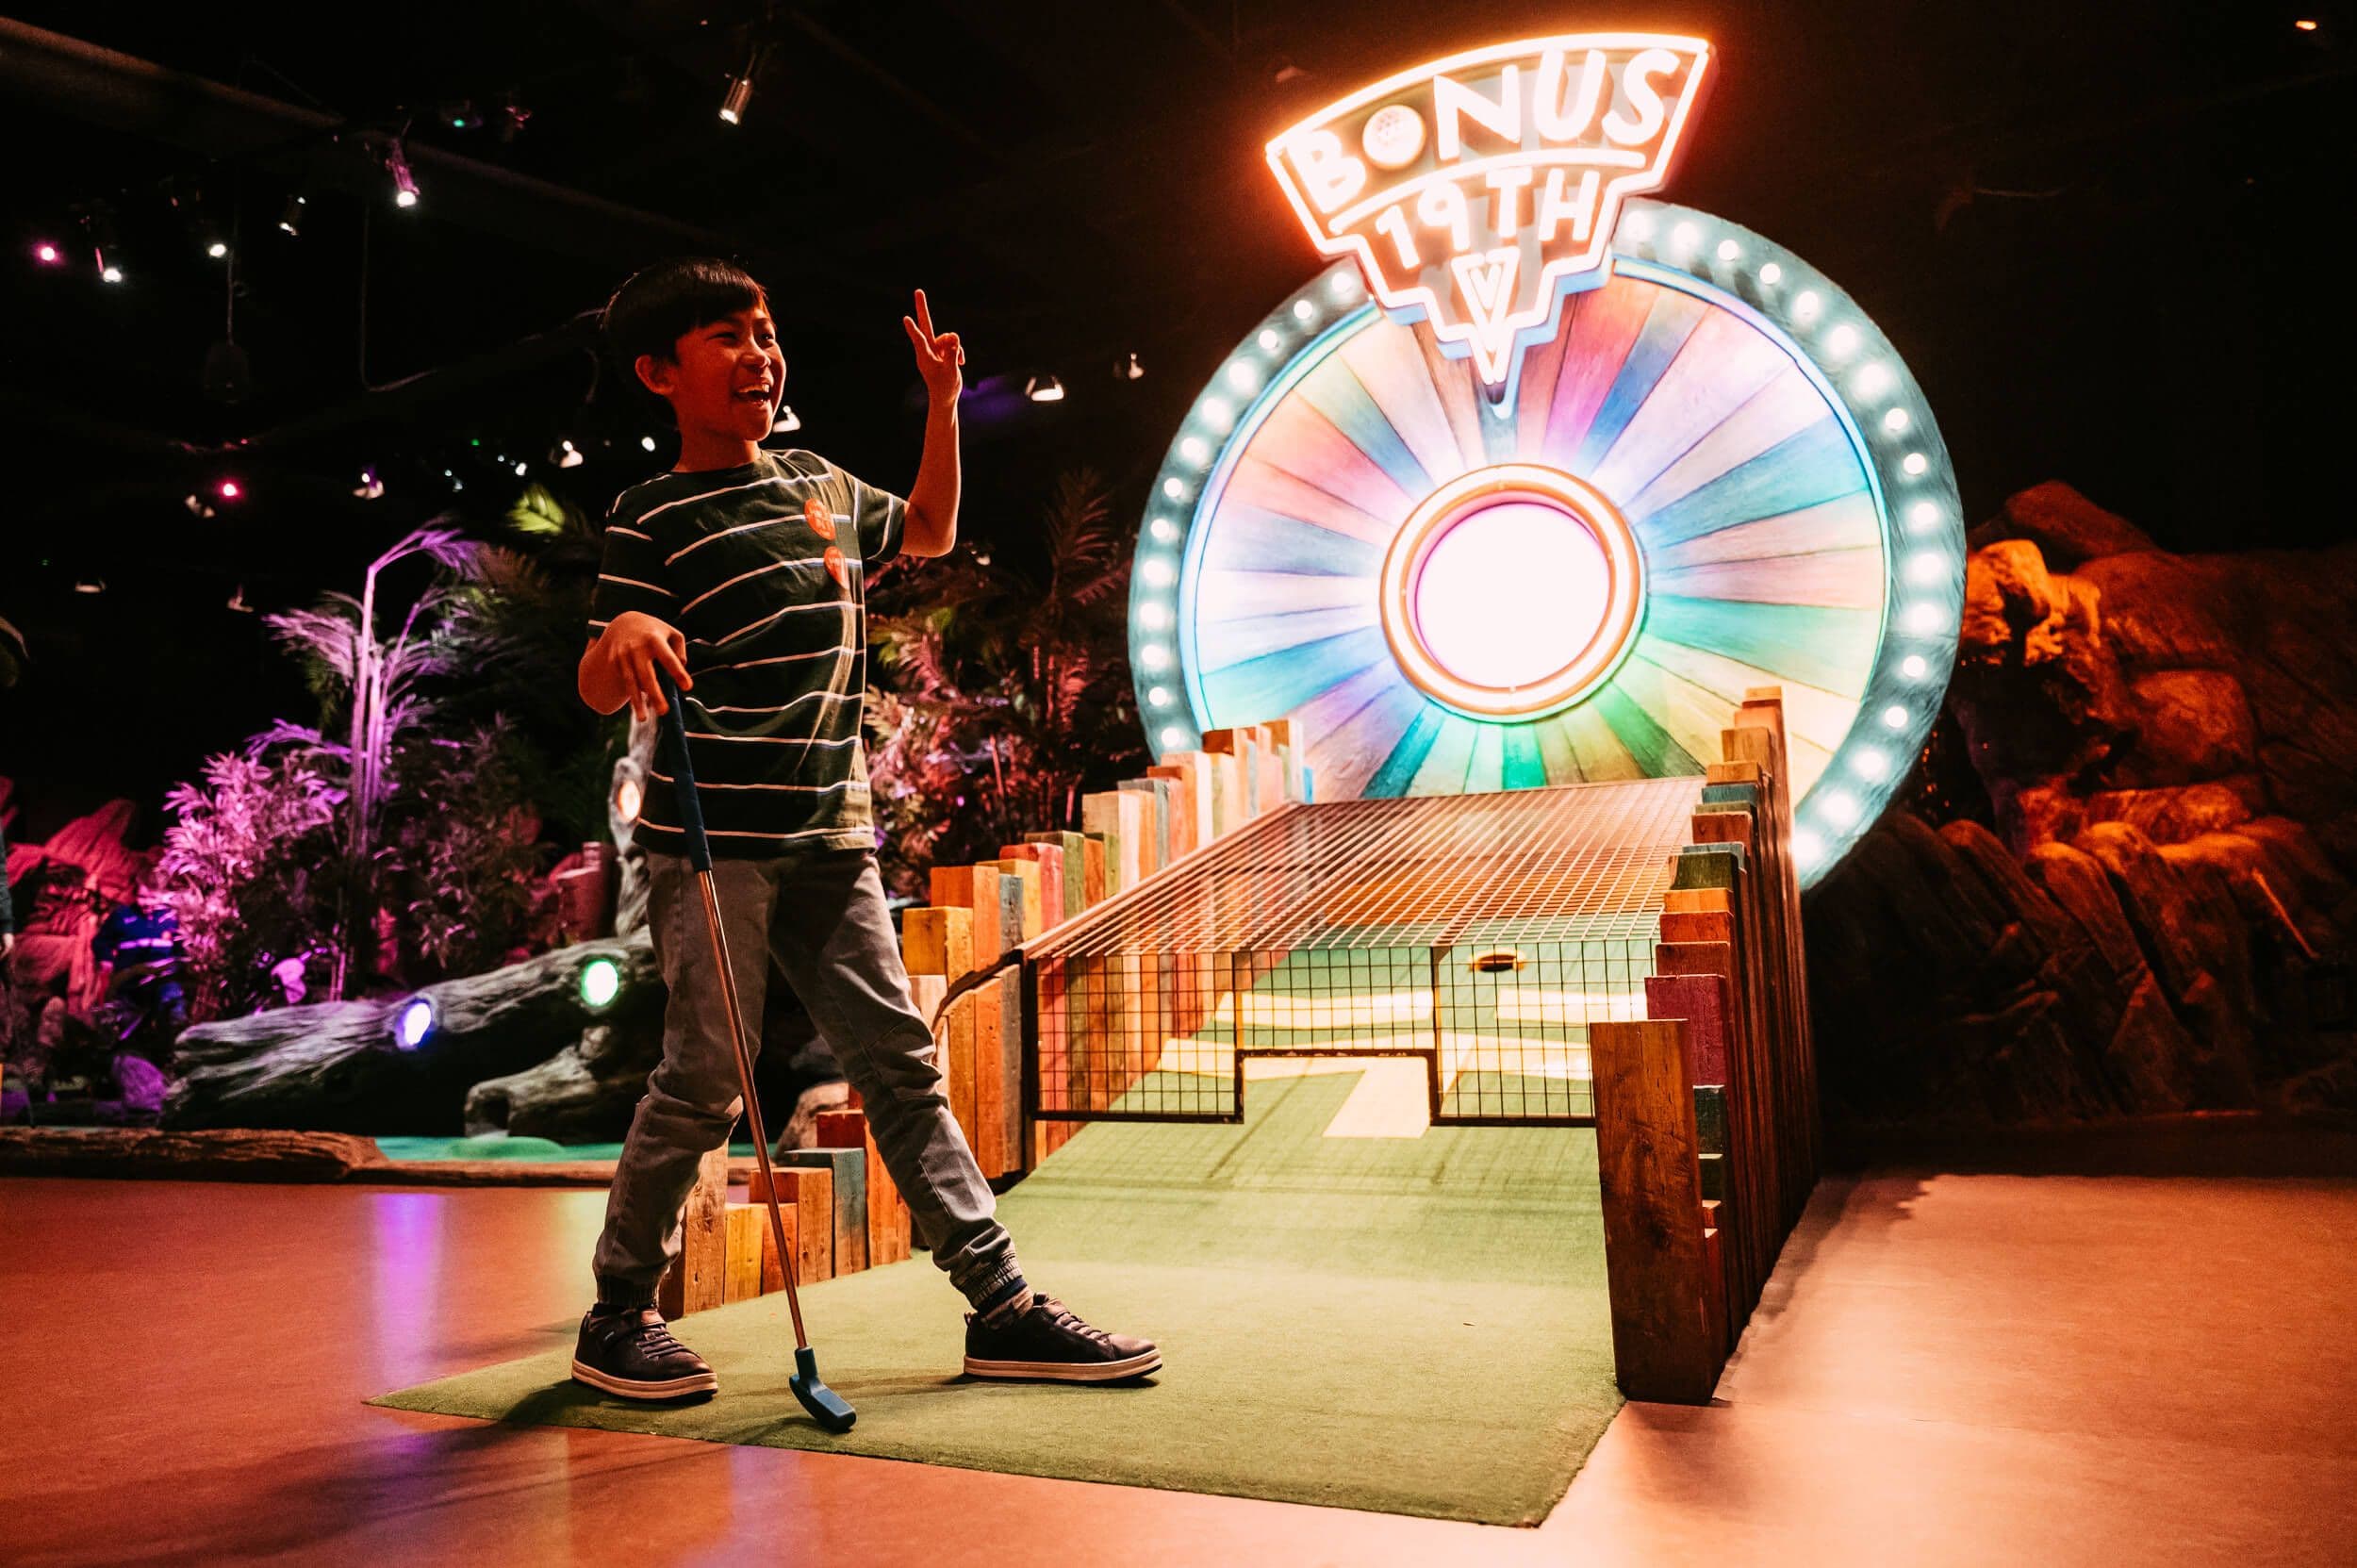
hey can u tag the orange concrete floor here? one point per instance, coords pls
(2143, 1366)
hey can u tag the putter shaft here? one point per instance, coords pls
(752, 1105)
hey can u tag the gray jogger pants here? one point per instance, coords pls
(821, 916)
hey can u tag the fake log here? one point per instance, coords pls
(337, 1066)
(582, 1095)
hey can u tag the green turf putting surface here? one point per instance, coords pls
(1409, 1325)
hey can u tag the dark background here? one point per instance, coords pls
(2103, 235)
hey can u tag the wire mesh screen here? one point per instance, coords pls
(1481, 933)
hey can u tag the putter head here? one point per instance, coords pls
(826, 1407)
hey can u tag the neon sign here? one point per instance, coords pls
(1471, 189)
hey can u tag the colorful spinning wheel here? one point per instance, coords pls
(1715, 474)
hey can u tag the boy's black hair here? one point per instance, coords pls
(664, 303)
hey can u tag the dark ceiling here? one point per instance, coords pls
(2100, 233)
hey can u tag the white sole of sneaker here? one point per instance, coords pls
(1068, 1372)
(668, 1387)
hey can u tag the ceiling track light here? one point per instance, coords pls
(397, 164)
(1043, 389)
(99, 226)
(1128, 369)
(786, 420)
(290, 216)
(740, 90)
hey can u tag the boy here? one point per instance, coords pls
(741, 573)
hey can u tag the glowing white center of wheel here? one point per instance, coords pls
(1511, 593)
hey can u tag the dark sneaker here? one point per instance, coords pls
(1045, 1340)
(632, 1353)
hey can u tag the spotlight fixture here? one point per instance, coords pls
(47, 254)
(98, 222)
(740, 90)
(237, 601)
(195, 504)
(786, 420)
(523, 469)
(229, 490)
(647, 442)
(405, 183)
(216, 248)
(1128, 369)
(371, 485)
(513, 118)
(1043, 389)
(290, 216)
(600, 980)
(463, 117)
(90, 585)
(567, 456)
(413, 1023)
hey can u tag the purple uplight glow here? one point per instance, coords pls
(415, 1022)
(1511, 594)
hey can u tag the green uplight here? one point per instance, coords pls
(600, 979)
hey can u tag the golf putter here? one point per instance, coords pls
(826, 1407)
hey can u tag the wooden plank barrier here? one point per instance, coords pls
(1070, 876)
(1665, 1345)
(848, 1167)
(1092, 869)
(698, 1278)
(887, 1213)
(1013, 1138)
(1290, 736)
(1026, 873)
(1103, 815)
(1228, 806)
(974, 889)
(1192, 771)
(807, 1191)
(988, 1135)
(937, 942)
(1729, 967)
(1049, 858)
(1235, 756)
(1185, 832)
(1153, 822)
(957, 1049)
(1012, 931)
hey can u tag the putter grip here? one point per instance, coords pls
(691, 811)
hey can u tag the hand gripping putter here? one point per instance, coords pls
(826, 1407)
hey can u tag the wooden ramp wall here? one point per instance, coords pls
(1706, 1126)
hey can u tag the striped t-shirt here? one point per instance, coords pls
(759, 568)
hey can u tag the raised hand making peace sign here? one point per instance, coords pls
(938, 355)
